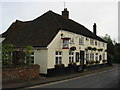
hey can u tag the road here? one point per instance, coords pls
(105, 79)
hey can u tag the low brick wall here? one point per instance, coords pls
(20, 74)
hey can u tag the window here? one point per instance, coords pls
(104, 56)
(99, 44)
(96, 43)
(32, 57)
(72, 40)
(77, 56)
(103, 44)
(71, 57)
(81, 41)
(91, 56)
(58, 57)
(65, 44)
(91, 42)
(100, 57)
(96, 57)
(87, 56)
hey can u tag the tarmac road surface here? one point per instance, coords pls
(105, 79)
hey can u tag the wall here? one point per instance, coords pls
(20, 74)
(56, 45)
(40, 58)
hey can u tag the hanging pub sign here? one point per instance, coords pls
(73, 48)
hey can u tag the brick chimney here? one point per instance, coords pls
(94, 29)
(65, 13)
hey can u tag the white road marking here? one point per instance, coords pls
(38, 86)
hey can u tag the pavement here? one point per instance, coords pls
(44, 80)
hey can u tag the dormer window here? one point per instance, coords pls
(66, 42)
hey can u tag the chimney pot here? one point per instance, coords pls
(94, 29)
(65, 13)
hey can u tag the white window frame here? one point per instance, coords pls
(91, 42)
(32, 56)
(81, 40)
(103, 44)
(103, 56)
(71, 57)
(87, 56)
(71, 40)
(91, 56)
(58, 57)
(96, 56)
(99, 44)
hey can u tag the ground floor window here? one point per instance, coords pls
(77, 56)
(71, 57)
(87, 56)
(100, 57)
(91, 56)
(58, 57)
(31, 57)
(104, 56)
(96, 57)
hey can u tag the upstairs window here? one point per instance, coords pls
(71, 57)
(71, 40)
(103, 44)
(99, 44)
(58, 57)
(95, 43)
(81, 40)
(91, 42)
(27, 58)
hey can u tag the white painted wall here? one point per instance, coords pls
(40, 58)
(56, 45)
(46, 58)
(1, 39)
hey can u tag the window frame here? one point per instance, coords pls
(87, 56)
(91, 42)
(81, 40)
(58, 54)
(71, 57)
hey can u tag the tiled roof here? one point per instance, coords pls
(41, 31)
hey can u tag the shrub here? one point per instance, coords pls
(104, 61)
(97, 61)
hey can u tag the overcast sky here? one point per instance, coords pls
(102, 12)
